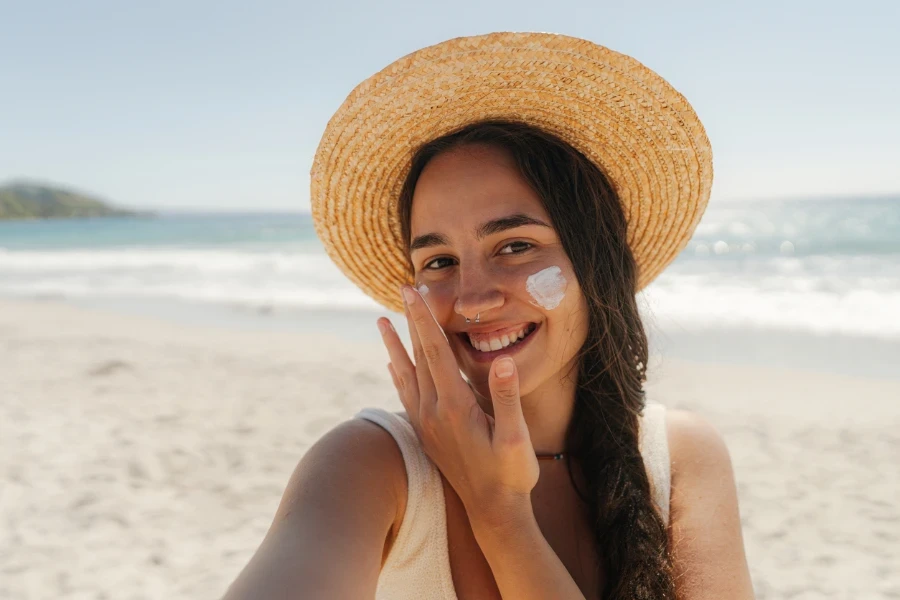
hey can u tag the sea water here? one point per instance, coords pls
(827, 266)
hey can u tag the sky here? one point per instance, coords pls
(219, 106)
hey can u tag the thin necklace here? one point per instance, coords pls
(559, 456)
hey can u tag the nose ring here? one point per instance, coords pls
(477, 318)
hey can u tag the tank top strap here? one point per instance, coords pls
(654, 447)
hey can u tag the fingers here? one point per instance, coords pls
(427, 391)
(402, 370)
(509, 421)
(432, 350)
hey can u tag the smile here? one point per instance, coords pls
(492, 346)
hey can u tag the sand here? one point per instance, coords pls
(141, 458)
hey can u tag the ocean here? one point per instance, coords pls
(828, 266)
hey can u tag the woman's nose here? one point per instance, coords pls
(477, 294)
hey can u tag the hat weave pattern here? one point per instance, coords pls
(621, 115)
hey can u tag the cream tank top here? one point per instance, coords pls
(418, 566)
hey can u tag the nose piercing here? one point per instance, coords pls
(477, 318)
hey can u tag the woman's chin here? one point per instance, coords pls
(483, 389)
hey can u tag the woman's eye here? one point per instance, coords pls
(428, 265)
(430, 268)
(513, 244)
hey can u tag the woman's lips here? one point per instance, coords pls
(488, 357)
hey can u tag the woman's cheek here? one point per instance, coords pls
(547, 287)
(550, 289)
(438, 295)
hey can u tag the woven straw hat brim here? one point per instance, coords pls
(625, 118)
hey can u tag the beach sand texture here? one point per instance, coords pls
(144, 459)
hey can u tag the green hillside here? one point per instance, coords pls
(22, 200)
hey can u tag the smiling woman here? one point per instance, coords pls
(472, 200)
(512, 222)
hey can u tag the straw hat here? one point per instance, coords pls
(622, 116)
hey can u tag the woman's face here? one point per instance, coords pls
(474, 252)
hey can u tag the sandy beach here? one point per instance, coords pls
(144, 458)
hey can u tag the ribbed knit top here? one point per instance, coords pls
(418, 566)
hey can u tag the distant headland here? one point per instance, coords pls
(31, 200)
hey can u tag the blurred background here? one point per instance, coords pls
(173, 336)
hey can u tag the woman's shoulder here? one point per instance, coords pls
(367, 457)
(705, 519)
(364, 442)
(691, 434)
(370, 442)
(698, 455)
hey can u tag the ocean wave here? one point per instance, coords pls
(790, 304)
(857, 295)
(188, 259)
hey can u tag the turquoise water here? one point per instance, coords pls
(244, 231)
(829, 266)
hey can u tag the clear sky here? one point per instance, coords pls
(218, 105)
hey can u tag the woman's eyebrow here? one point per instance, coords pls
(482, 231)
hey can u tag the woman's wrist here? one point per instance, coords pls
(501, 518)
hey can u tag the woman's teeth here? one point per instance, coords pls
(498, 343)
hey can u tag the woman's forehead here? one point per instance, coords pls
(467, 186)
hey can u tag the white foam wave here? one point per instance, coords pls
(855, 295)
(781, 303)
(241, 296)
(167, 258)
(255, 279)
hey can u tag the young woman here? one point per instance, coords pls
(516, 191)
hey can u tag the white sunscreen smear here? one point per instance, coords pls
(547, 287)
(423, 289)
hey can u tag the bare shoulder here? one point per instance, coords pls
(360, 440)
(705, 525)
(693, 441)
(357, 453)
(699, 459)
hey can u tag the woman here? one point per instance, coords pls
(528, 186)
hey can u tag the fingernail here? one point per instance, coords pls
(382, 327)
(505, 367)
(409, 295)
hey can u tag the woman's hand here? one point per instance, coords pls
(489, 461)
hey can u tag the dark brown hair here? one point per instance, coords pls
(602, 438)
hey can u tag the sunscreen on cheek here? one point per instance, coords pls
(547, 287)
(423, 289)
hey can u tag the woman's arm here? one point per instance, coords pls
(524, 565)
(328, 536)
(705, 531)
